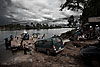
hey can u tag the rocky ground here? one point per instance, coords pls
(69, 57)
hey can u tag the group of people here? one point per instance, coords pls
(24, 42)
(8, 42)
(27, 47)
(93, 32)
(88, 32)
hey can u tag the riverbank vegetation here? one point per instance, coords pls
(27, 27)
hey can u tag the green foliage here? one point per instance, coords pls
(91, 8)
(74, 4)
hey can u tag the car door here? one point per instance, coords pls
(47, 44)
(40, 45)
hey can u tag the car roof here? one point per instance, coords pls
(44, 39)
(48, 38)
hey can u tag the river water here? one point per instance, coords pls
(5, 55)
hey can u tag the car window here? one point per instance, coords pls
(56, 40)
(47, 43)
(39, 43)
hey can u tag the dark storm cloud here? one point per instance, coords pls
(34, 10)
(3, 11)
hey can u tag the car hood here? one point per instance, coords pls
(89, 49)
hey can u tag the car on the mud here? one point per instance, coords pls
(90, 52)
(51, 45)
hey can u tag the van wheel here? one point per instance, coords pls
(48, 52)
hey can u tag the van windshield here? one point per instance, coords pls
(57, 43)
(56, 40)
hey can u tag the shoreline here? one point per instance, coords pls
(25, 29)
(7, 29)
(2, 46)
(67, 34)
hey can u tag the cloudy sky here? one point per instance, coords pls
(34, 10)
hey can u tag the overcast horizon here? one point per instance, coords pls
(34, 10)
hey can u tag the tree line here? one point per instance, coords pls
(27, 26)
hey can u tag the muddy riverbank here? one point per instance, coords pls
(6, 55)
(69, 57)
